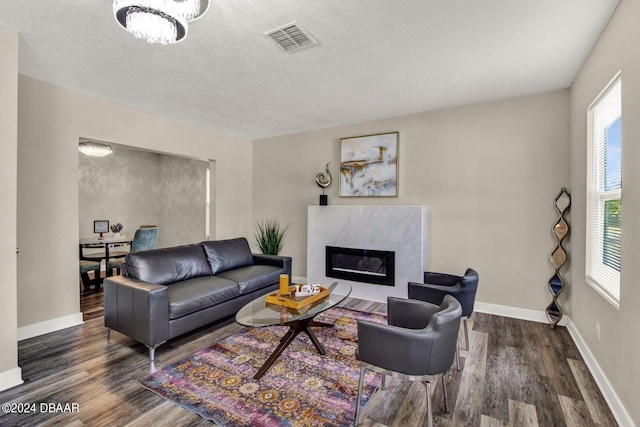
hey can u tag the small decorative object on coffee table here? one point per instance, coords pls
(306, 290)
(259, 313)
(284, 284)
(297, 298)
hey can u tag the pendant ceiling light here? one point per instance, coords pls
(94, 149)
(158, 21)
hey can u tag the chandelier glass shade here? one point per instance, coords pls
(158, 21)
(94, 149)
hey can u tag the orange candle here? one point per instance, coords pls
(284, 284)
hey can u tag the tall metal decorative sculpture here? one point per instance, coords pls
(558, 257)
(323, 180)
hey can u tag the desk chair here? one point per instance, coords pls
(419, 341)
(143, 240)
(85, 267)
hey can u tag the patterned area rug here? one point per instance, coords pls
(302, 388)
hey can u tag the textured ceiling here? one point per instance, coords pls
(376, 58)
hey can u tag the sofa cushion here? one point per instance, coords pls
(253, 277)
(169, 265)
(225, 255)
(196, 294)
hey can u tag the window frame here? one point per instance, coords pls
(596, 252)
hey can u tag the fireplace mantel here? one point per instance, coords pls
(402, 229)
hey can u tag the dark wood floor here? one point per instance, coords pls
(516, 373)
(91, 305)
(91, 300)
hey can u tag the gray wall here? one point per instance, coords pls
(617, 350)
(51, 119)
(487, 172)
(135, 187)
(9, 371)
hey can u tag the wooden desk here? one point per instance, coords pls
(106, 244)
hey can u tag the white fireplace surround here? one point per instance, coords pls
(402, 229)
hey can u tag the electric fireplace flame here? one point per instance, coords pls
(361, 265)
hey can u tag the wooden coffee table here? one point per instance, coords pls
(259, 314)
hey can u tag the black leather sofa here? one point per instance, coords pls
(167, 292)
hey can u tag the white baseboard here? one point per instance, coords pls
(617, 408)
(515, 312)
(48, 326)
(10, 378)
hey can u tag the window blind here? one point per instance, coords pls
(605, 193)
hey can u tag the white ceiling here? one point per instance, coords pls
(376, 58)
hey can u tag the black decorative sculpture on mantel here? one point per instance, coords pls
(323, 180)
(558, 257)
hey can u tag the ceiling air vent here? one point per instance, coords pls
(291, 37)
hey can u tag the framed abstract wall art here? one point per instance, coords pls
(369, 165)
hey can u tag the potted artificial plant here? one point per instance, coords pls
(270, 236)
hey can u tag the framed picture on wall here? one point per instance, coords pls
(100, 226)
(369, 165)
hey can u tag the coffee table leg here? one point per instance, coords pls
(314, 323)
(314, 340)
(312, 336)
(294, 329)
(291, 334)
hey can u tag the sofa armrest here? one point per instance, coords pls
(275, 260)
(137, 309)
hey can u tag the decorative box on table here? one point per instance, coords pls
(296, 300)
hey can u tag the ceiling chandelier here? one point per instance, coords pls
(94, 149)
(158, 21)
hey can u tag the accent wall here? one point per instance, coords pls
(135, 187)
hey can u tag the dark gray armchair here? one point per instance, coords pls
(419, 342)
(437, 285)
